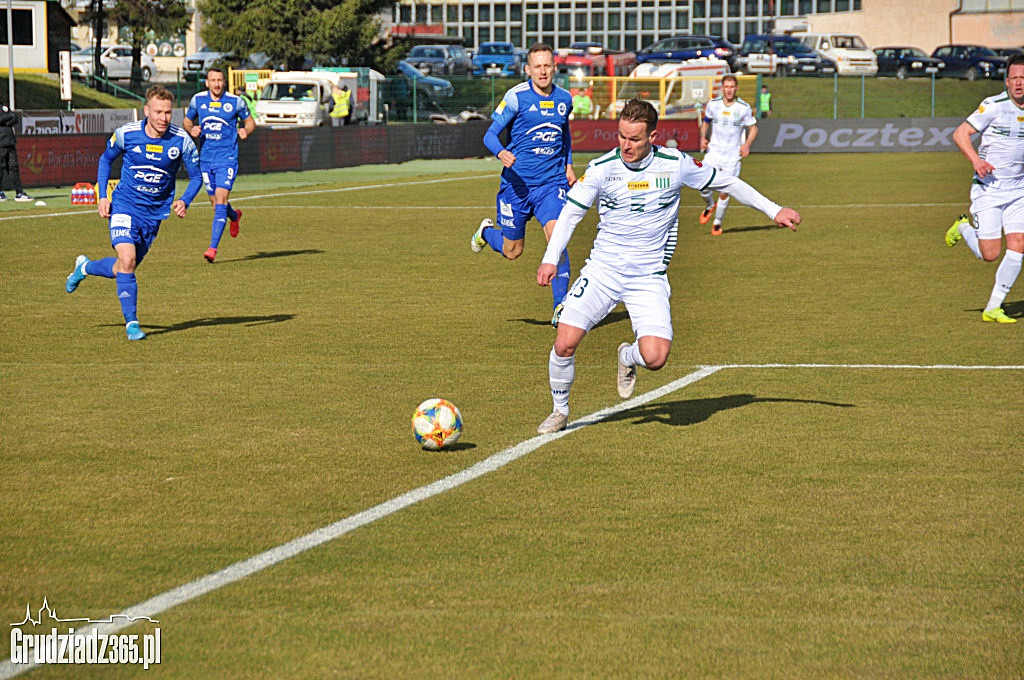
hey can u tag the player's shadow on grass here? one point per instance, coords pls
(615, 317)
(693, 411)
(217, 321)
(765, 227)
(264, 254)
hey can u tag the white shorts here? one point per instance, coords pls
(597, 290)
(997, 210)
(730, 165)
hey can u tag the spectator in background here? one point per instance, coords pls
(250, 103)
(764, 103)
(348, 99)
(10, 173)
(340, 111)
(582, 104)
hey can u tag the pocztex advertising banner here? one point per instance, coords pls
(862, 135)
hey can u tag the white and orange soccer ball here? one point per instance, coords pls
(437, 423)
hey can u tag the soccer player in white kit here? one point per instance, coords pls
(728, 117)
(637, 188)
(997, 194)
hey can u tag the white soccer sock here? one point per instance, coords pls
(1006, 275)
(561, 373)
(709, 197)
(970, 235)
(723, 203)
(630, 356)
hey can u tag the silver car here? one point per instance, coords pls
(116, 59)
(203, 60)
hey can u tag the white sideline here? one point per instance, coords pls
(240, 570)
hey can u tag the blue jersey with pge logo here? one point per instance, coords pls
(148, 169)
(538, 134)
(218, 119)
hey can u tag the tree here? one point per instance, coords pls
(289, 31)
(137, 18)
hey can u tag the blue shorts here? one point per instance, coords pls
(126, 228)
(219, 177)
(518, 203)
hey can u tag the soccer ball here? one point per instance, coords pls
(437, 423)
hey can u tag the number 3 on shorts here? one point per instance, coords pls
(579, 287)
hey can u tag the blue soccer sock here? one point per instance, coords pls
(232, 214)
(104, 267)
(220, 219)
(127, 295)
(495, 238)
(560, 284)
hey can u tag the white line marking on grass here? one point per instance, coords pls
(943, 367)
(240, 570)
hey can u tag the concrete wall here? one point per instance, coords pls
(923, 23)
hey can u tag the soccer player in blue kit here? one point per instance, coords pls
(153, 151)
(214, 114)
(537, 165)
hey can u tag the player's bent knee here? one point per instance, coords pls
(512, 249)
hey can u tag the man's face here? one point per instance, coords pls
(215, 83)
(729, 90)
(158, 114)
(634, 140)
(540, 66)
(1015, 84)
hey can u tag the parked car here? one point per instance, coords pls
(430, 90)
(683, 47)
(781, 55)
(970, 61)
(904, 62)
(116, 60)
(203, 60)
(443, 59)
(496, 59)
(848, 51)
(1008, 51)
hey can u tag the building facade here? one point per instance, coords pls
(633, 24)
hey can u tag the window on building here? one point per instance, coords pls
(732, 33)
(664, 20)
(547, 23)
(452, 31)
(856, 4)
(564, 22)
(499, 34)
(453, 14)
(467, 36)
(715, 8)
(614, 21)
(404, 17)
(435, 14)
(733, 8)
(752, 8)
(806, 6)
(564, 41)
(548, 39)
(824, 5)
(421, 14)
(699, 9)
(483, 13)
(467, 13)
(682, 20)
(515, 36)
(597, 22)
(613, 42)
(786, 7)
(647, 21)
(630, 21)
(842, 5)
(715, 28)
(531, 23)
(751, 28)
(515, 13)
(631, 42)
(485, 34)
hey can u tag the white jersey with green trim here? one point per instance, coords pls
(1001, 125)
(728, 123)
(638, 208)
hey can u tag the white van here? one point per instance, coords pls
(296, 99)
(848, 50)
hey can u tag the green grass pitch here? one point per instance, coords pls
(842, 498)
